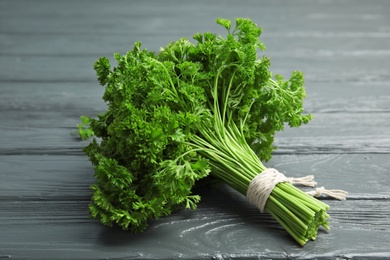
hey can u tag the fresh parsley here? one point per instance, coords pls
(191, 110)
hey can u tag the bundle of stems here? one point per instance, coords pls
(234, 162)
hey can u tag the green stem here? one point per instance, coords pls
(233, 161)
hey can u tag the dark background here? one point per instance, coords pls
(47, 51)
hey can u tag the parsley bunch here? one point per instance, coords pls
(186, 112)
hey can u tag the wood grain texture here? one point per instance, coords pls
(47, 51)
(224, 226)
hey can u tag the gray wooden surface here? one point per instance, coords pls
(47, 49)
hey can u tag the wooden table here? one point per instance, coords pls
(47, 49)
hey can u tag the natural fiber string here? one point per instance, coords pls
(336, 194)
(260, 188)
(307, 181)
(262, 185)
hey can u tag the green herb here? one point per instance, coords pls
(189, 111)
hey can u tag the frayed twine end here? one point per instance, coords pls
(307, 181)
(336, 194)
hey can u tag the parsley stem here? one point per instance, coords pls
(234, 162)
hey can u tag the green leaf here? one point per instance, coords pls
(84, 129)
(102, 68)
(224, 22)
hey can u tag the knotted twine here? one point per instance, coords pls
(261, 186)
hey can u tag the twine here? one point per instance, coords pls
(336, 194)
(261, 186)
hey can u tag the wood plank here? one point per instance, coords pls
(47, 69)
(82, 17)
(364, 176)
(47, 114)
(338, 133)
(76, 27)
(347, 97)
(343, 137)
(58, 96)
(59, 177)
(80, 69)
(299, 43)
(217, 230)
(328, 133)
(39, 177)
(332, 49)
(78, 98)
